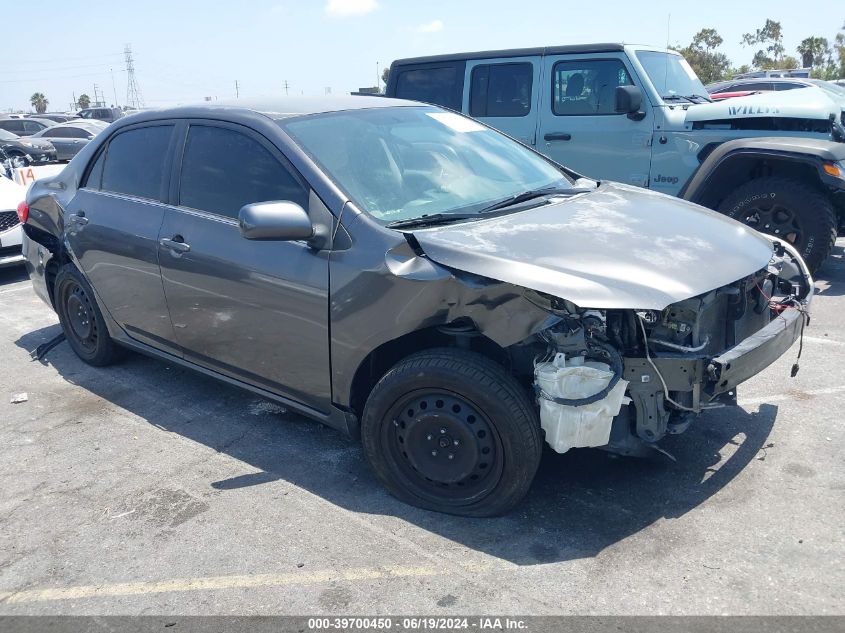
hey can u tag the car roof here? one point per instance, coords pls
(274, 107)
(610, 47)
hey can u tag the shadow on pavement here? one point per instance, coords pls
(581, 503)
(12, 274)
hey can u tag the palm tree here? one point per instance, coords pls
(814, 51)
(84, 101)
(39, 102)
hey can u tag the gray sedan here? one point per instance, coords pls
(411, 277)
(70, 137)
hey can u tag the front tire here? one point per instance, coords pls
(449, 430)
(81, 319)
(788, 209)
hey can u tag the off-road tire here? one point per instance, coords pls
(81, 319)
(805, 211)
(449, 401)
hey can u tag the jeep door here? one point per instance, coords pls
(504, 94)
(252, 310)
(112, 225)
(578, 124)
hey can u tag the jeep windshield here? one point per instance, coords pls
(404, 163)
(673, 77)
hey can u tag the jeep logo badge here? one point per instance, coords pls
(672, 180)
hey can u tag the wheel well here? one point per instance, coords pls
(738, 170)
(378, 362)
(51, 269)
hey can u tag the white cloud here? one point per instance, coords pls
(345, 8)
(430, 27)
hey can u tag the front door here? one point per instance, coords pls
(253, 310)
(579, 126)
(113, 223)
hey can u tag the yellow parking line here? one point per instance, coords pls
(220, 582)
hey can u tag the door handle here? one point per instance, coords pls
(557, 136)
(175, 244)
(78, 218)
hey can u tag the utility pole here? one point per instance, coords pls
(237, 90)
(113, 87)
(286, 87)
(378, 79)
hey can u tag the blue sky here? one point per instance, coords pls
(188, 49)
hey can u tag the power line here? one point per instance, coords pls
(54, 77)
(30, 62)
(19, 71)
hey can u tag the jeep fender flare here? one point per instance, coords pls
(810, 154)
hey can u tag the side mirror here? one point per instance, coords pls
(628, 101)
(278, 220)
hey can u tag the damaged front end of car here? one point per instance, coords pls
(622, 379)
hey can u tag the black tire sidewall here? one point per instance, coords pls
(816, 215)
(106, 351)
(520, 454)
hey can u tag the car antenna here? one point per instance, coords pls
(666, 57)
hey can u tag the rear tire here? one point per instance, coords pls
(788, 209)
(450, 430)
(81, 319)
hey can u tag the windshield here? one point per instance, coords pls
(407, 162)
(671, 75)
(8, 136)
(832, 89)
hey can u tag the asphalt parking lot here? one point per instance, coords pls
(147, 489)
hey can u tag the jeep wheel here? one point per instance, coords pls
(82, 320)
(450, 430)
(788, 209)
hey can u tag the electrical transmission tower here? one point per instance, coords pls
(133, 90)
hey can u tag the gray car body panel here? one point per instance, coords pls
(616, 247)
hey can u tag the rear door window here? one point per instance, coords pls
(587, 86)
(760, 85)
(501, 90)
(224, 169)
(135, 160)
(57, 132)
(437, 85)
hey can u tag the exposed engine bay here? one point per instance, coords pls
(623, 379)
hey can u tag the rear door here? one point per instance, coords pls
(252, 310)
(112, 226)
(504, 94)
(579, 127)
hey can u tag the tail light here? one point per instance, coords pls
(23, 212)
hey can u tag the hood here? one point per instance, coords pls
(807, 103)
(615, 247)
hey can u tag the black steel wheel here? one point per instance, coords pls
(451, 431)
(787, 209)
(82, 320)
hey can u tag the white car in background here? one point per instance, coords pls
(11, 193)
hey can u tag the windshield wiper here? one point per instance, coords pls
(677, 98)
(431, 220)
(531, 194)
(702, 97)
